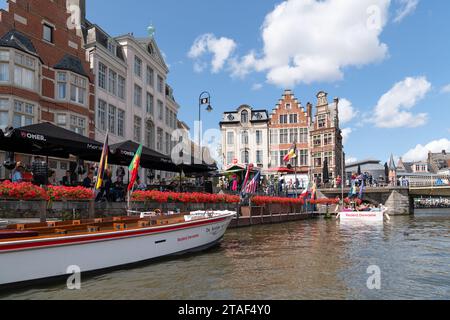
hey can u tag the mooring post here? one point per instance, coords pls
(238, 210)
(91, 209)
(43, 211)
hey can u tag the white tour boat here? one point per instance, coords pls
(373, 215)
(30, 252)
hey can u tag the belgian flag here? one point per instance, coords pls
(292, 154)
(103, 164)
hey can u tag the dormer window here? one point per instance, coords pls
(244, 116)
(258, 116)
(230, 117)
(112, 47)
(150, 49)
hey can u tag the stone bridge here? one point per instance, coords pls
(397, 199)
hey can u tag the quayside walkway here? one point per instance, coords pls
(400, 200)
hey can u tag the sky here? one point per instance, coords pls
(387, 60)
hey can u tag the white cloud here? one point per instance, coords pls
(346, 111)
(393, 108)
(346, 134)
(446, 89)
(406, 7)
(307, 41)
(257, 86)
(420, 152)
(220, 48)
(349, 160)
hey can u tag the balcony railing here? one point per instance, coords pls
(429, 181)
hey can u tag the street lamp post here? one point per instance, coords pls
(204, 99)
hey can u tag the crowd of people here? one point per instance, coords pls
(432, 203)
(365, 179)
(271, 186)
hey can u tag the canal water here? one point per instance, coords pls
(316, 259)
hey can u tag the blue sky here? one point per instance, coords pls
(403, 57)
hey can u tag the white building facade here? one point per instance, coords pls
(245, 137)
(152, 111)
(133, 100)
(107, 61)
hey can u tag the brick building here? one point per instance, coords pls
(44, 70)
(290, 123)
(326, 142)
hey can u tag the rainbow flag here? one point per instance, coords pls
(134, 168)
(103, 164)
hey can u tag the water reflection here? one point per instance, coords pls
(315, 259)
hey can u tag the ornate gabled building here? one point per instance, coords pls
(252, 136)
(245, 137)
(326, 140)
(290, 123)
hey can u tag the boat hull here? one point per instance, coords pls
(36, 260)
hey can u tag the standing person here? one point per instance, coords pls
(17, 174)
(338, 181)
(105, 189)
(234, 184)
(120, 174)
(40, 171)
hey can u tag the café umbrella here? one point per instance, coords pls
(47, 139)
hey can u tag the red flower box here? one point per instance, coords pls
(22, 191)
(175, 197)
(27, 191)
(325, 201)
(69, 193)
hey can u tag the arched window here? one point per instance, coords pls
(150, 135)
(244, 116)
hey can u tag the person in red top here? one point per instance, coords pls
(338, 181)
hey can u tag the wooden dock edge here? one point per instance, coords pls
(243, 222)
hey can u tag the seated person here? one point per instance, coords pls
(88, 181)
(67, 179)
(17, 176)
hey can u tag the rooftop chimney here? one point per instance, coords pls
(309, 108)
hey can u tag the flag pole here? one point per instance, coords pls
(130, 193)
(295, 169)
